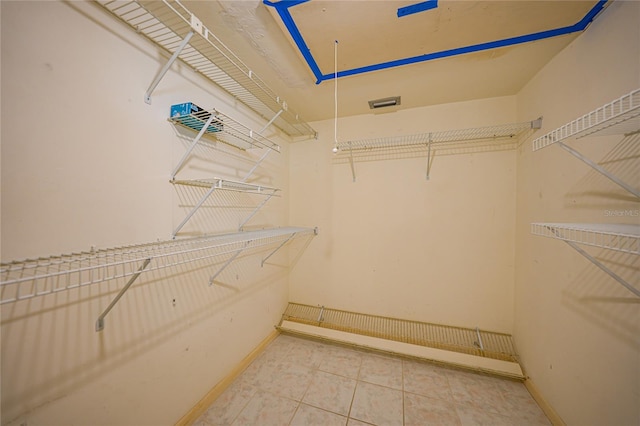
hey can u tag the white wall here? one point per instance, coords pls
(395, 244)
(85, 162)
(576, 329)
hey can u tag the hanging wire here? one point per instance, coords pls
(335, 98)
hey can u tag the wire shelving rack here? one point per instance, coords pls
(503, 136)
(620, 116)
(30, 278)
(214, 184)
(170, 25)
(221, 127)
(618, 237)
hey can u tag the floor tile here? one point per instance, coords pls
(472, 415)
(426, 379)
(288, 380)
(265, 408)
(381, 370)
(376, 404)
(523, 409)
(476, 390)
(341, 361)
(228, 405)
(298, 381)
(312, 416)
(330, 392)
(354, 422)
(307, 353)
(421, 410)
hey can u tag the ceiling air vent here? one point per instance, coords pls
(385, 102)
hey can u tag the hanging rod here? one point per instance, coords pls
(167, 23)
(29, 278)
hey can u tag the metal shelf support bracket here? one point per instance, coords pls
(193, 210)
(228, 262)
(100, 320)
(192, 146)
(244, 222)
(600, 169)
(165, 68)
(353, 170)
(277, 248)
(255, 166)
(608, 271)
(429, 156)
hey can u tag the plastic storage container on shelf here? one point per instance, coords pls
(191, 115)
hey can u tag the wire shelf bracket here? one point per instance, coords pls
(100, 320)
(194, 143)
(166, 67)
(620, 116)
(624, 238)
(230, 260)
(506, 136)
(175, 29)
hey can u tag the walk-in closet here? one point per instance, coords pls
(320, 212)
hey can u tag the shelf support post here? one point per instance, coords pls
(191, 147)
(277, 248)
(600, 169)
(480, 345)
(429, 156)
(165, 68)
(100, 320)
(193, 210)
(244, 222)
(228, 262)
(353, 170)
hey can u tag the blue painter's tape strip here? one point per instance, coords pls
(417, 8)
(282, 7)
(580, 26)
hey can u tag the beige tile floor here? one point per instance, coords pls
(298, 381)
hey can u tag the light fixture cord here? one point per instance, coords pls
(335, 78)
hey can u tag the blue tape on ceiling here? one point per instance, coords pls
(417, 8)
(282, 8)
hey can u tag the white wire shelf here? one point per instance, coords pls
(169, 24)
(620, 116)
(618, 237)
(479, 139)
(624, 238)
(225, 129)
(504, 131)
(26, 279)
(213, 184)
(228, 185)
